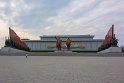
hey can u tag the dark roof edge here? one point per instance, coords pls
(64, 41)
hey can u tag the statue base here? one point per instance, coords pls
(63, 51)
(112, 50)
(7, 50)
(59, 51)
(67, 51)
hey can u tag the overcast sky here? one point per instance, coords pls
(33, 18)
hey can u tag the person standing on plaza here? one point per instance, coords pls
(26, 55)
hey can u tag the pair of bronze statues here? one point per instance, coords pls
(59, 43)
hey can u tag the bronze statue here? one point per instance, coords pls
(58, 43)
(114, 42)
(68, 43)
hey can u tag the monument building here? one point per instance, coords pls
(78, 43)
(65, 42)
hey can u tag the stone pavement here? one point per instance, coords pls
(61, 69)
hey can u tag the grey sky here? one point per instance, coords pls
(32, 18)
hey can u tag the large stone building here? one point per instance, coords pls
(79, 43)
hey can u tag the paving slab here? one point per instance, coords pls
(61, 69)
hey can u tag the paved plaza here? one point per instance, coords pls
(61, 69)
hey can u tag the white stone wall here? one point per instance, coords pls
(112, 50)
(11, 50)
(42, 45)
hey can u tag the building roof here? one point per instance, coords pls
(94, 40)
(75, 38)
(65, 36)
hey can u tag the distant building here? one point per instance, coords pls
(79, 43)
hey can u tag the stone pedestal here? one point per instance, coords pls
(11, 50)
(59, 51)
(67, 51)
(112, 50)
(63, 51)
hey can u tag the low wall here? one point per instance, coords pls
(9, 50)
(112, 50)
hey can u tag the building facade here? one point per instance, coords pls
(79, 43)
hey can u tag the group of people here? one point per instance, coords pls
(59, 43)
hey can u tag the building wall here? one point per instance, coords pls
(76, 45)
